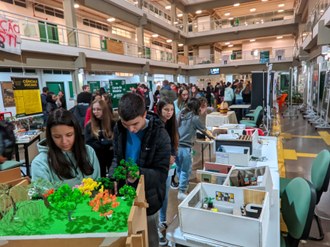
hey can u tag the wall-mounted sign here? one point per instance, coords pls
(7, 94)
(27, 96)
(10, 36)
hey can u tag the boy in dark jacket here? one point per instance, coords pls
(144, 139)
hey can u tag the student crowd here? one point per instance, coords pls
(157, 131)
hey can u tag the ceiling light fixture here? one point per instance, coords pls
(231, 45)
(264, 0)
(168, 7)
(252, 40)
(227, 43)
(168, 41)
(236, 4)
(231, 18)
(111, 19)
(253, 10)
(280, 10)
(180, 15)
(279, 37)
(76, 5)
(227, 14)
(281, 5)
(155, 35)
(198, 12)
(180, 45)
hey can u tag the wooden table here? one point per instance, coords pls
(215, 119)
(204, 144)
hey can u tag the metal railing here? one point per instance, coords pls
(39, 30)
(280, 54)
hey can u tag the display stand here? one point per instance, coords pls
(323, 124)
(137, 234)
(291, 111)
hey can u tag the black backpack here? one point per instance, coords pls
(7, 139)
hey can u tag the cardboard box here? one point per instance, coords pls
(214, 173)
(233, 155)
(261, 175)
(228, 226)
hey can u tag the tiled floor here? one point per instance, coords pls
(299, 167)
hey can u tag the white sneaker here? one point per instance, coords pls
(181, 195)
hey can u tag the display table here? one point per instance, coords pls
(269, 150)
(217, 119)
(204, 144)
(136, 234)
(26, 140)
(239, 109)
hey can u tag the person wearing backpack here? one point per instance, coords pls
(7, 141)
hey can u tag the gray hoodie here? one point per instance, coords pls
(189, 123)
(41, 169)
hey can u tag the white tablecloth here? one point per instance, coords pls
(217, 119)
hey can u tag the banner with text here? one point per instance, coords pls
(117, 90)
(27, 96)
(10, 36)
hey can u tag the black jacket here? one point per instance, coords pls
(153, 161)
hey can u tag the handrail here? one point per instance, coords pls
(55, 33)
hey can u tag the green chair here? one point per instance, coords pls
(251, 113)
(297, 207)
(320, 176)
(257, 117)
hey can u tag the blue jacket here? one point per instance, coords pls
(41, 169)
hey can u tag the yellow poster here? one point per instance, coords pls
(27, 96)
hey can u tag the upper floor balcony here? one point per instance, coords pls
(52, 33)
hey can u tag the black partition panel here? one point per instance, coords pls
(259, 89)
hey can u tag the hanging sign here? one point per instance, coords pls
(10, 36)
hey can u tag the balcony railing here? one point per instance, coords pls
(199, 26)
(39, 30)
(282, 54)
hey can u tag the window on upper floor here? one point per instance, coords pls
(122, 32)
(48, 10)
(95, 24)
(21, 3)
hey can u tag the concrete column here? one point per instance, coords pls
(140, 40)
(185, 22)
(186, 53)
(175, 51)
(173, 13)
(140, 3)
(70, 21)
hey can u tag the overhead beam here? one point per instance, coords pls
(112, 10)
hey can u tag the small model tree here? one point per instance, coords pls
(125, 170)
(104, 203)
(128, 192)
(66, 199)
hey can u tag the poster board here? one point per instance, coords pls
(10, 36)
(27, 96)
(7, 94)
(94, 86)
(117, 90)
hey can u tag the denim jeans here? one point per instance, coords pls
(184, 164)
(162, 211)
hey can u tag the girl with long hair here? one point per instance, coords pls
(99, 133)
(181, 101)
(188, 122)
(165, 111)
(63, 156)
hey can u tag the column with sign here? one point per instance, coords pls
(117, 90)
